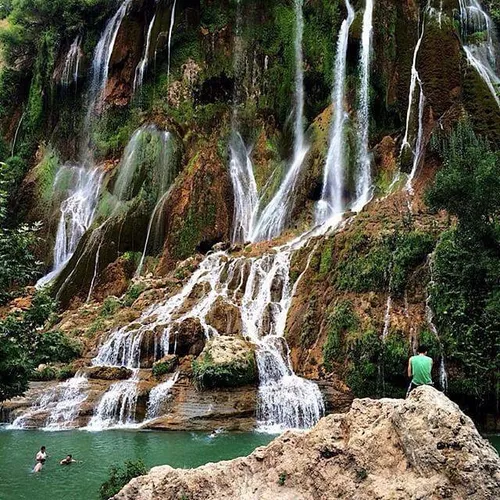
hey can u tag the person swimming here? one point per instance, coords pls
(68, 460)
(40, 458)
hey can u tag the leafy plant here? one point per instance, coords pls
(120, 476)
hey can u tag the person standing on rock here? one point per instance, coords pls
(419, 369)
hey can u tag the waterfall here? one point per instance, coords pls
(331, 203)
(72, 63)
(59, 406)
(143, 63)
(481, 53)
(170, 31)
(275, 215)
(244, 188)
(417, 151)
(246, 196)
(158, 396)
(116, 409)
(73, 394)
(77, 213)
(387, 318)
(78, 208)
(363, 184)
(414, 78)
(102, 57)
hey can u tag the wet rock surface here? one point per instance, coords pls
(423, 447)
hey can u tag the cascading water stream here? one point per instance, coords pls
(59, 406)
(77, 214)
(72, 63)
(273, 218)
(364, 180)
(143, 63)
(78, 209)
(246, 197)
(169, 47)
(331, 205)
(158, 396)
(480, 50)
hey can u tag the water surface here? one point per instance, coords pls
(98, 451)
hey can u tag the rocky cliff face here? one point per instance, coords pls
(422, 447)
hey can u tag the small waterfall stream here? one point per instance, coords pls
(273, 218)
(331, 204)
(170, 31)
(78, 209)
(77, 213)
(59, 406)
(158, 396)
(143, 63)
(481, 51)
(71, 68)
(364, 177)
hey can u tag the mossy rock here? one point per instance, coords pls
(165, 365)
(109, 373)
(225, 362)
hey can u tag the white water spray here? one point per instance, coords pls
(481, 51)
(143, 63)
(364, 177)
(158, 396)
(273, 218)
(170, 31)
(71, 68)
(331, 204)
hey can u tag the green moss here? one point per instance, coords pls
(207, 374)
(132, 294)
(109, 307)
(45, 173)
(161, 368)
(341, 322)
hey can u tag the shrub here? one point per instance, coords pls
(341, 321)
(120, 476)
(56, 347)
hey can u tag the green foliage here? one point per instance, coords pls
(46, 373)
(383, 263)
(282, 478)
(55, 346)
(161, 368)
(132, 294)
(109, 307)
(120, 476)
(19, 343)
(465, 293)
(341, 321)
(365, 354)
(19, 265)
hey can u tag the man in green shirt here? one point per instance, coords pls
(419, 369)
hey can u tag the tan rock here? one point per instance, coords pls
(423, 447)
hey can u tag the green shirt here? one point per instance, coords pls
(421, 367)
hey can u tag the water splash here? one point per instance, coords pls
(77, 213)
(102, 58)
(116, 409)
(143, 63)
(71, 68)
(274, 217)
(331, 204)
(58, 407)
(73, 393)
(480, 44)
(364, 178)
(387, 318)
(158, 396)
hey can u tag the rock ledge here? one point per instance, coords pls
(423, 447)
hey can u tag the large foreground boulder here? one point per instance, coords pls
(423, 447)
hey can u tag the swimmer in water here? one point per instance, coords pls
(68, 460)
(40, 458)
